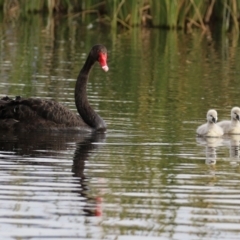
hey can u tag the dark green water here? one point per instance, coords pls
(148, 177)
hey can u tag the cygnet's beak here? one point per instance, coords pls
(214, 120)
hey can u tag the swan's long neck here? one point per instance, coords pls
(89, 116)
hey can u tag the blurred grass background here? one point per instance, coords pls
(173, 14)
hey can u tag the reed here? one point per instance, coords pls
(131, 13)
(124, 12)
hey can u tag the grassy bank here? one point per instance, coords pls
(172, 14)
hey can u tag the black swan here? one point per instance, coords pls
(33, 114)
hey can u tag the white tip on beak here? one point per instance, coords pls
(105, 68)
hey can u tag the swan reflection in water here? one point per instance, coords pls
(210, 148)
(31, 149)
(232, 142)
(82, 152)
(211, 144)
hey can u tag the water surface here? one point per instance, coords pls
(148, 177)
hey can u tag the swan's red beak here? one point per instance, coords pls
(103, 61)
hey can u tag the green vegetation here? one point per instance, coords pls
(173, 14)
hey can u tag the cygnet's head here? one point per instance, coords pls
(235, 113)
(212, 116)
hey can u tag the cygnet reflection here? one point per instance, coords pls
(232, 142)
(210, 148)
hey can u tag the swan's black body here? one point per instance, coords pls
(33, 114)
